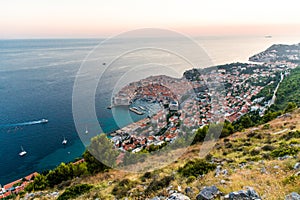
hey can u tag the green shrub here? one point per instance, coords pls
(255, 151)
(226, 140)
(293, 141)
(62, 173)
(228, 145)
(121, 189)
(75, 191)
(196, 167)
(268, 147)
(290, 179)
(190, 179)
(156, 185)
(251, 134)
(146, 176)
(266, 156)
(282, 151)
(290, 135)
(290, 107)
(266, 126)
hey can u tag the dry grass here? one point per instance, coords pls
(271, 185)
(274, 184)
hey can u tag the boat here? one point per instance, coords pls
(109, 107)
(23, 152)
(64, 142)
(268, 36)
(44, 121)
(136, 111)
(142, 108)
(86, 130)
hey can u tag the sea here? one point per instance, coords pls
(37, 79)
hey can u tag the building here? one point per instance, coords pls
(16, 186)
(173, 106)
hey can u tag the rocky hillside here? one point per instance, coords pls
(257, 163)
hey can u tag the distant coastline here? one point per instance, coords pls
(66, 57)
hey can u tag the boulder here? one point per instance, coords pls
(225, 172)
(178, 196)
(297, 166)
(276, 167)
(292, 196)
(263, 170)
(285, 157)
(179, 188)
(218, 170)
(188, 191)
(158, 198)
(172, 191)
(249, 194)
(208, 193)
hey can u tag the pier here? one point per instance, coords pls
(136, 111)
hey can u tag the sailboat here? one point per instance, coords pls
(64, 142)
(23, 152)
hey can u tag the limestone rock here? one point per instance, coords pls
(178, 196)
(297, 166)
(292, 196)
(249, 194)
(208, 193)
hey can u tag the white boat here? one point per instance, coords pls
(64, 142)
(142, 108)
(86, 130)
(43, 121)
(23, 152)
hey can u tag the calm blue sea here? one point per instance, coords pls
(36, 81)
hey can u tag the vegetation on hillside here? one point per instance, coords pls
(252, 146)
(75, 191)
(289, 90)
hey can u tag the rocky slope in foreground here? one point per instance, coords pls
(258, 163)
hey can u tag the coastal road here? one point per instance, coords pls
(275, 91)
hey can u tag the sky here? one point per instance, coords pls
(98, 18)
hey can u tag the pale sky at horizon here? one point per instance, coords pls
(98, 18)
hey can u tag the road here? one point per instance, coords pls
(275, 91)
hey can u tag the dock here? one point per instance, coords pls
(136, 111)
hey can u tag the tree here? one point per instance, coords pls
(100, 155)
(200, 135)
(227, 130)
(246, 122)
(290, 107)
(40, 183)
(79, 169)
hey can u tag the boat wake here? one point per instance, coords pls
(42, 121)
